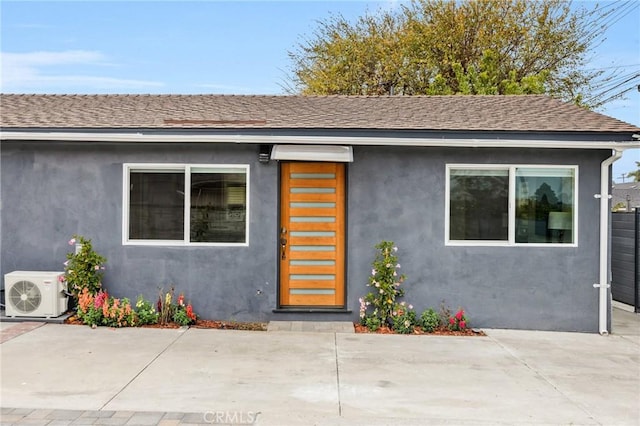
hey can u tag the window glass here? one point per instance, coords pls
(512, 204)
(218, 207)
(479, 201)
(203, 204)
(544, 205)
(156, 206)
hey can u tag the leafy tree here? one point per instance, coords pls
(454, 47)
(636, 173)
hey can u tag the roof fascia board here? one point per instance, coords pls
(366, 133)
(312, 140)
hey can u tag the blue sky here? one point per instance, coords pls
(237, 47)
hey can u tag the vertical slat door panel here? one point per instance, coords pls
(312, 215)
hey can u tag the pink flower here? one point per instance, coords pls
(72, 241)
(459, 315)
(462, 324)
(452, 321)
(61, 278)
(100, 299)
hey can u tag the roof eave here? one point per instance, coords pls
(312, 140)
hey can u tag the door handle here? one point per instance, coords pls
(283, 246)
(283, 242)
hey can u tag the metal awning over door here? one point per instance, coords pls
(331, 153)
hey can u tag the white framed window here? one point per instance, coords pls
(185, 204)
(511, 205)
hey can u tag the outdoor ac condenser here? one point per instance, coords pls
(35, 294)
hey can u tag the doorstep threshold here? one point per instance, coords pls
(302, 310)
(311, 326)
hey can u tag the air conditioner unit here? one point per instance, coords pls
(34, 294)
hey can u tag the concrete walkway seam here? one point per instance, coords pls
(182, 332)
(335, 346)
(634, 342)
(544, 377)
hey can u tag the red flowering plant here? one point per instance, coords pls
(177, 311)
(183, 313)
(459, 321)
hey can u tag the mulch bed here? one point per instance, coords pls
(418, 331)
(200, 323)
(262, 326)
(231, 325)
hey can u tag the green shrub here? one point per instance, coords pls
(429, 320)
(385, 284)
(184, 315)
(83, 269)
(145, 312)
(403, 320)
(372, 322)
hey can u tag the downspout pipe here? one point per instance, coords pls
(603, 283)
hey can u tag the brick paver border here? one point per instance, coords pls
(18, 329)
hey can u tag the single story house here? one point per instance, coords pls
(265, 208)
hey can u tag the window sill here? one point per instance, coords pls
(169, 243)
(506, 244)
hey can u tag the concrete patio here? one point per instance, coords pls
(56, 374)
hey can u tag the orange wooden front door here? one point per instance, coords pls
(312, 222)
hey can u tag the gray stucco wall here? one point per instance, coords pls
(546, 288)
(52, 190)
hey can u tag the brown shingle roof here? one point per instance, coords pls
(472, 113)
